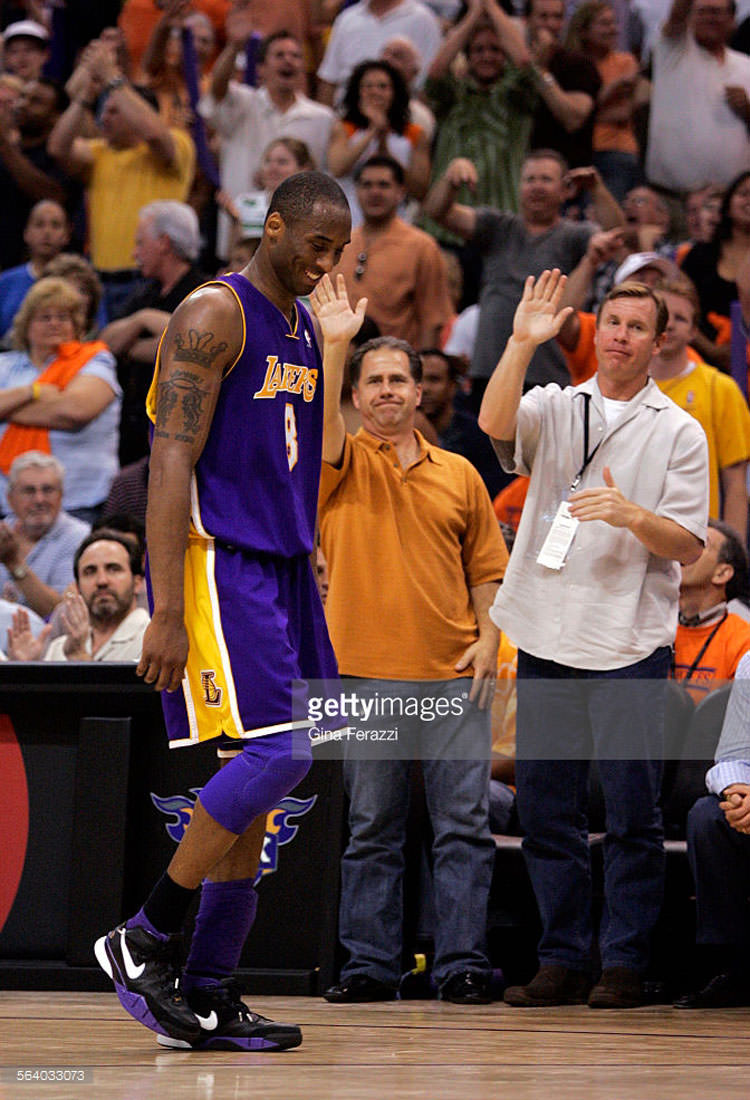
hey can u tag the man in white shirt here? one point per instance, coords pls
(618, 496)
(700, 99)
(360, 32)
(248, 119)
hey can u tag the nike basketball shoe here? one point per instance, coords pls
(227, 1023)
(146, 973)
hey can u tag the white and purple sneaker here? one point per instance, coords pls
(227, 1023)
(146, 973)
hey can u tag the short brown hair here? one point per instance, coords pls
(683, 288)
(48, 291)
(632, 289)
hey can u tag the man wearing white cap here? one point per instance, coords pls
(25, 49)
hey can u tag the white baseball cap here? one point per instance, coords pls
(636, 262)
(25, 28)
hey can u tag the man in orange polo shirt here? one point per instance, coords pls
(415, 557)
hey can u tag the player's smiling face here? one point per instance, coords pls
(308, 250)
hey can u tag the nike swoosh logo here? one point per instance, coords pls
(208, 1023)
(133, 972)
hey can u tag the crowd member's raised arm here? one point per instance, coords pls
(339, 324)
(537, 318)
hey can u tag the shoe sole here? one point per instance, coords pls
(220, 1042)
(135, 1004)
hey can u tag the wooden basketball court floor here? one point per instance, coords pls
(409, 1049)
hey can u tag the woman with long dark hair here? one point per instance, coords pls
(375, 121)
(713, 267)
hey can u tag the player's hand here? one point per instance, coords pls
(338, 321)
(164, 653)
(481, 656)
(538, 315)
(607, 504)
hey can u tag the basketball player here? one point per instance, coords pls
(237, 406)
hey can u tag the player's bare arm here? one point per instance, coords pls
(202, 340)
(339, 324)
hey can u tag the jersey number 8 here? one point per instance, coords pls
(290, 427)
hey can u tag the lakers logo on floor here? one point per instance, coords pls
(212, 693)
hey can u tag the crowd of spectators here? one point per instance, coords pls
(478, 141)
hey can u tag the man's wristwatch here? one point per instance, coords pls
(19, 573)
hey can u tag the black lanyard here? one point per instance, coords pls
(689, 674)
(586, 456)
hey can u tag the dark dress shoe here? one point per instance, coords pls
(359, 989)
(723, 991)
(469, 987)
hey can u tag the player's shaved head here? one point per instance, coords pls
(295, 198)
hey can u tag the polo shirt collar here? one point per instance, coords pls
(426, 450)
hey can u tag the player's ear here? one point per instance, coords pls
(274, 225)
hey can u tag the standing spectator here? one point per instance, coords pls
(700, 110)
(513, 245)
(713, 398)
(484, 116)
(594, 638)
(38, 540)
(167, 242)
(25, 49)
(361, 30)
(28, 173)
(456, 429)
(376, 122)
(164, 64)
(714, 268)
(398, 268)
(247, 119)
(136, 160)
(393, 506)
(593, 30)
(568, 86)
(46, 234)
(60, 395)
(405, 57)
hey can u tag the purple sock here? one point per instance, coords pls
(225, 917)
(140, 920)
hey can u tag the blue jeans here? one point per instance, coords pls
(621, 172)
(720, 861)
(372, 869)
(591, 713)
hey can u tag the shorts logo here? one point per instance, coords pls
(211, 692)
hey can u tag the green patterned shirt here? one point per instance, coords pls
(491, 128)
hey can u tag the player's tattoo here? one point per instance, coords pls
(185, 388)
(196, 347)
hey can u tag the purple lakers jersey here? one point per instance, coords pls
(256, 483)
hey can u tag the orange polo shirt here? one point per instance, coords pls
(404, 549)
(719, 663)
